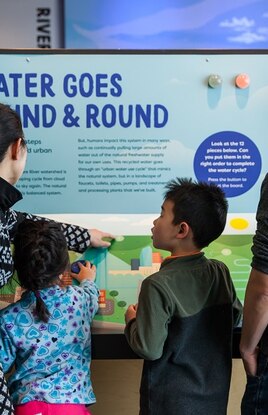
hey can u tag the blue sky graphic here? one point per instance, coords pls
(166, 24)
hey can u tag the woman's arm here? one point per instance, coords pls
(255, 319)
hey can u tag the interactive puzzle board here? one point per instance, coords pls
(105, 132)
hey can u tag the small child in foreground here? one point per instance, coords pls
(46, 334)
(182, 326)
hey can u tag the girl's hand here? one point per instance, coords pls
(87, 272)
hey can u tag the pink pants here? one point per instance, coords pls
(43, 408)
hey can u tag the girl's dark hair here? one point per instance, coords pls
(202, 205)
(10, 129)
(40, 256)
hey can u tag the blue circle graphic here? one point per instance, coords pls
(230, 160)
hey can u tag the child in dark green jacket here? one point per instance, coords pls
(183, 323)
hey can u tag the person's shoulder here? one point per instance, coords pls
(72, 289)
(159, 280)
(155, 278)
(78, 289)
(218, 263)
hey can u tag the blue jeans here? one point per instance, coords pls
(255, 399)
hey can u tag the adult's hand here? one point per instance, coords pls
(250, 362)
(96, 238)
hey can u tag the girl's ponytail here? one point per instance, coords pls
(41, 308)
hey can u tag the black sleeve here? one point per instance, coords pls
(260, 239)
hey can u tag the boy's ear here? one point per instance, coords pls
(183, 230)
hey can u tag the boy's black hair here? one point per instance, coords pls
(201, 205)
(40, 256)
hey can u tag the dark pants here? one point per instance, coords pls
(255, 399)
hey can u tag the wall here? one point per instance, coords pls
(34, 23)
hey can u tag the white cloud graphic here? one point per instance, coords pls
(144, 222)
(115, 219)
(248, 38)
(238, 24)
(129, 224)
